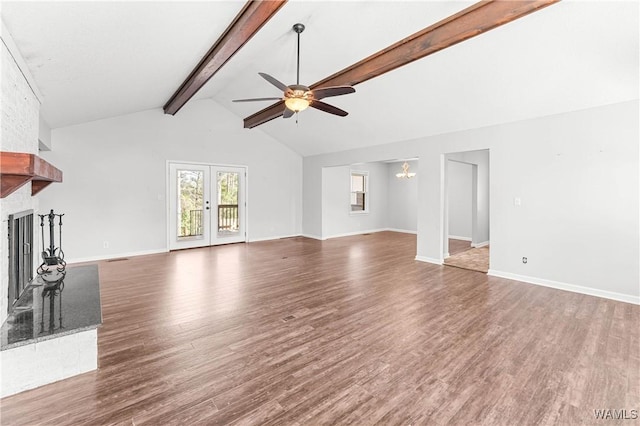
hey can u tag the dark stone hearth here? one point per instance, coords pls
(54, 308)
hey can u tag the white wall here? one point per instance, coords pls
(459, 184)
(312, 196)
(479, 159)
(577, 176)
(337, 218)
(402, 198)
(335, 200)
(44, 135)
(115, 177)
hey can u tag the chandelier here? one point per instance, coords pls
(405, 172)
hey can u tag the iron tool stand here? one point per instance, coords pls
(52, 257)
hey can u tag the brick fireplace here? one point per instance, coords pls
(48, 351)
(20, 128)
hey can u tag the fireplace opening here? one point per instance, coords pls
(20, 254)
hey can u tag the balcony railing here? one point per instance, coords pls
(228, 217)
(194, 227)
(227, 221)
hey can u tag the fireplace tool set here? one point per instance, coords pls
(52, 270)
(52, 256)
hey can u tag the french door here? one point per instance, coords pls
(207, 205)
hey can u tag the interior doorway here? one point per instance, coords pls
(466, 210)
(207, 205)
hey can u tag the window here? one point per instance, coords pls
(359, 189)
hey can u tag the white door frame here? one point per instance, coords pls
(245, 211)
(444, 211)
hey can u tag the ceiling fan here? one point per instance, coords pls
(297, 97)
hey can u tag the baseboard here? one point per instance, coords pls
(404, 231)
(255, 240)
(350, 234)
(627, 298)
(314, 237)
(482, 244)
(115, 256)
(156, 251)
(370, 231)
(446, 255)
(455, 237)
(429, 260)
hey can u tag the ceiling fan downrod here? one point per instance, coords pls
(298, 28)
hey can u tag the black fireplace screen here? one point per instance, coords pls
(20, 254)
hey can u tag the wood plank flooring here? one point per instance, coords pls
(474, 259)
(348, 330)
(458, 246)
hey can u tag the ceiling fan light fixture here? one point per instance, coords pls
(297, 104)
(298, 97)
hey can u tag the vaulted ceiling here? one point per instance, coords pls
(93, 60)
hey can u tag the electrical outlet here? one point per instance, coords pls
(524, 260)
(105, 244)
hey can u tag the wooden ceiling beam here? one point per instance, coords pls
(470, 22)
(245, 25)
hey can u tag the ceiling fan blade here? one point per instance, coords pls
(325, 92)
(275, 82)
(256, 99)
(287, 113)
(328, 108)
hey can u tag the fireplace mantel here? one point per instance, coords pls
(17, 168)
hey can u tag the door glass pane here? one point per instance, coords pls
(190, 203)
(228, 219)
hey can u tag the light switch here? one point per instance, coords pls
(517, 202)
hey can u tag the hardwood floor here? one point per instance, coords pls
(458, 246)
(348, 330)
(463, 255)
(474, 259)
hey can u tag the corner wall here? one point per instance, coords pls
(115, 177)
(402, 199)
(577, 176)
(337, 219)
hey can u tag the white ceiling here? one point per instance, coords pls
(94, 60)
